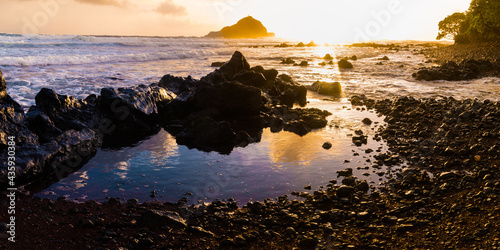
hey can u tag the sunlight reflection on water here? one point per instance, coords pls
(280, 163)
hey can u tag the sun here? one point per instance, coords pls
(331, 22)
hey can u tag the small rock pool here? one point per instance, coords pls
(160, 169)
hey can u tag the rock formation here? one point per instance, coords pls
(247, 27)
(227, 108)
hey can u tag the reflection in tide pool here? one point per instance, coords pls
(280, 163)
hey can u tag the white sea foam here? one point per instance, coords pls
(81, 65)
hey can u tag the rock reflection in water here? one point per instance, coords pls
(280, 163)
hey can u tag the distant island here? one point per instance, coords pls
(247, 27)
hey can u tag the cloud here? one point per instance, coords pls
(169, 8)
(118, 3)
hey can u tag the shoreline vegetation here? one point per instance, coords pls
(447, 196)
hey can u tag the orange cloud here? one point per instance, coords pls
(168, 7)
(118, 3)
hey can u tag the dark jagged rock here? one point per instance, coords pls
(133, 112)
(60, 133)
(51, 139)
(302, 121)
(327, 88)
(247, 27)
(230, 99)
(40, 124)
(230, 106)
(465, 70)
(179, 85)
(12, 120)
(227, 108)
(217, 64)
(49, 102)
(288, 91)
(251, 78)
(269, 74)
(66, 112)
(237, 63)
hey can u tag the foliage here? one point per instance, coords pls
(480, 23)
(483, 20)
(450, 26)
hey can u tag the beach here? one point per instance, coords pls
(438, 158)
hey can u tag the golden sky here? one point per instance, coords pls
(319, 20)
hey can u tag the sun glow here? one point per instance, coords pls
(345, 22)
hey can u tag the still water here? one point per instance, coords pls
(279, 164)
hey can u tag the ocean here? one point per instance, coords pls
(280, 163)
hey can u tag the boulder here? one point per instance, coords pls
(66, 112)
(302, 64)
(40, 124)
(49, 102)
(327, 88)
(230, 99)
(466, 70)
(12, 123)
(250, 78)
(302, 120)
(231, 106)
(227, 71)
(287, 61)
(237, 63)
(345, 191)
(269, 74)
(41, 146)
(66, 153)
(132, 113)
(287, 92)
(344, 64)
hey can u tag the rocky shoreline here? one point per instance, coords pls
(462, 62)
(446, 196)
(227, 108)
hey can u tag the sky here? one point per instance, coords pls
(319, 20)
